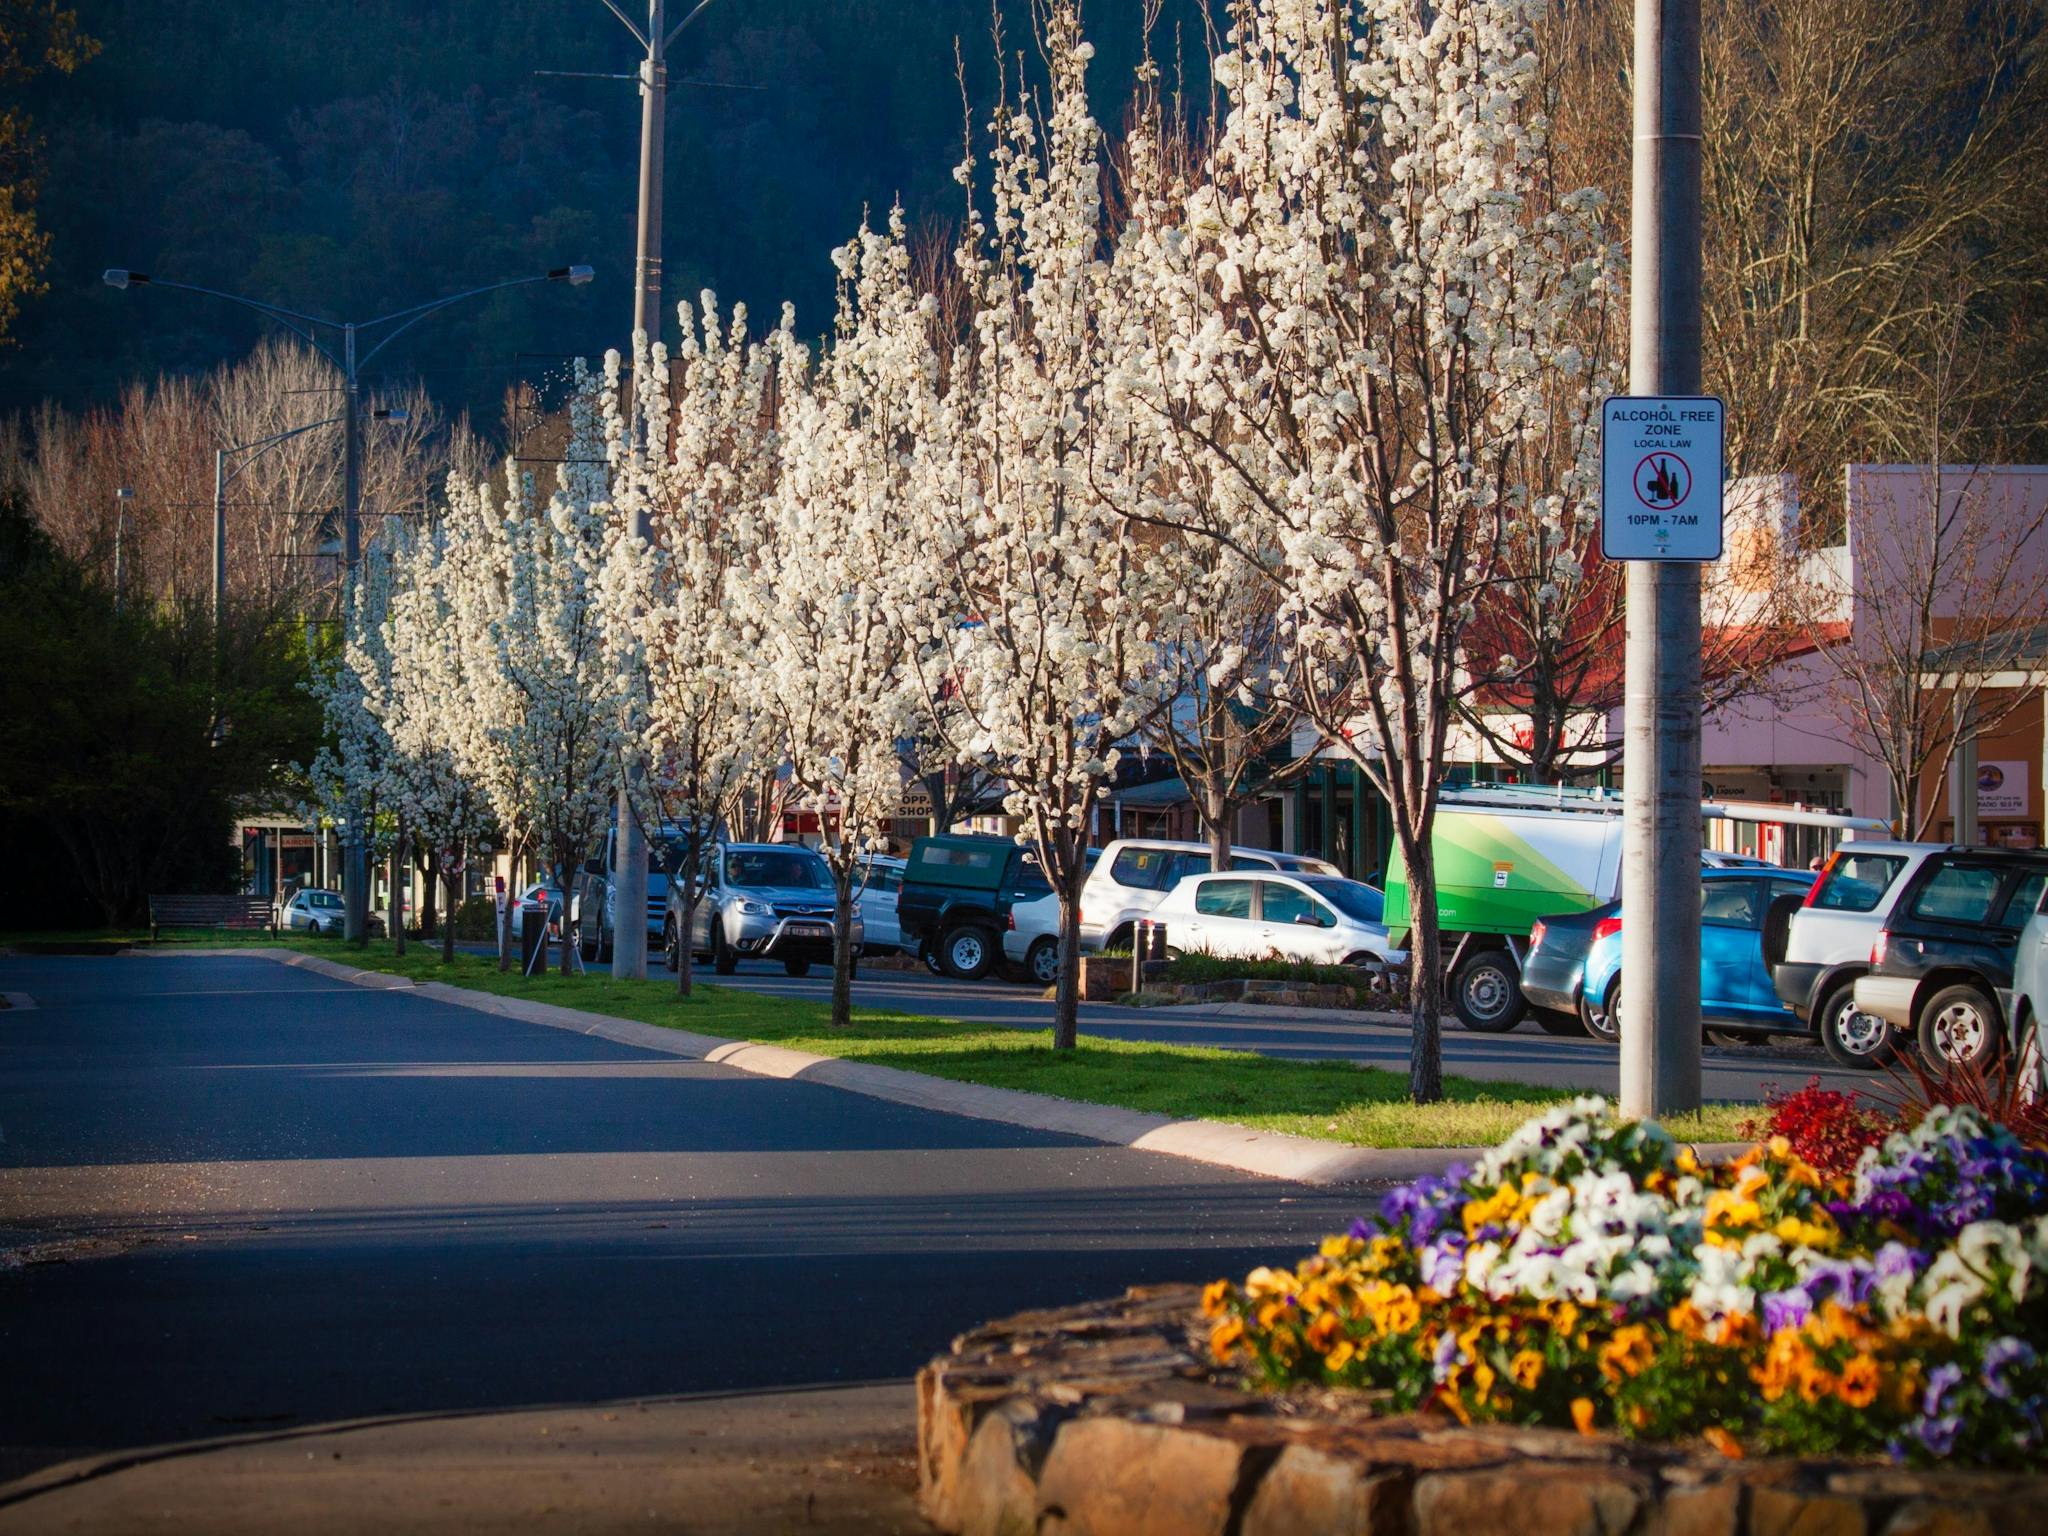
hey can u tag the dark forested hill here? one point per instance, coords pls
(354, 158)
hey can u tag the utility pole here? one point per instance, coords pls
(629, 847)
(1660, 887)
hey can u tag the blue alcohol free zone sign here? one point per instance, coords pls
(1660, 461)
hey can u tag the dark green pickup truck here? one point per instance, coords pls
(958, 889)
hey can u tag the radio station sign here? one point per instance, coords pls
(1660, 462)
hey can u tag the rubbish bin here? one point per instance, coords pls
(533, 939)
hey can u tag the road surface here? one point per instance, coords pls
(237, 1198)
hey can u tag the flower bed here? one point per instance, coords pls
(1590, 1273)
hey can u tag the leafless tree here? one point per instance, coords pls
(1954, 562)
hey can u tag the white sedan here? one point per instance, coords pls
(1032, 939)
(876, 888)
(312, 910)
(1241, 915)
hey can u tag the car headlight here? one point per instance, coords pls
(756, 909)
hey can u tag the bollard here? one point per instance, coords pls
(1148, 951)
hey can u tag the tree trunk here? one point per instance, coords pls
(571, 961)
(842, 947)
(1066, 1006)
(1216, 815)
(430, 866)
(1425, 979)
(449, 899)
(686, 924)
(401, 877)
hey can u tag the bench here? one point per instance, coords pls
(209, 912)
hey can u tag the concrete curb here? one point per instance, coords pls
(1269, 1153)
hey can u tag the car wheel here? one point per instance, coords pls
(793, 967)
(588, 948)
(723, 960)
(1604, 1022)
(930, 957)
(1851, 1039)
(1959, 1027)
(1042, 961)
(1551, 1022)
(671, 948)
(1487, 994)
(967, 953)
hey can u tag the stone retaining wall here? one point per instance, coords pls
(1103, 1420)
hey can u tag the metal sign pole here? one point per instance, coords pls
(1660, 892)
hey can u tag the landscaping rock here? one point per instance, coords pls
(1107, 1419)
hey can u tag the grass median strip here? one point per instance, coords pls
(1330, 1101)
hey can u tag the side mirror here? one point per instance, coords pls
(1308, 920)
(594, 867)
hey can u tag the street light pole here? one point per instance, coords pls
(1660, 890)
(220, 543)
(122, 496)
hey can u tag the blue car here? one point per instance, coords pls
(1736, 992)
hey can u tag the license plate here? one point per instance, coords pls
(809, 930)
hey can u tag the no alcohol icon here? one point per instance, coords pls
(1662, 481)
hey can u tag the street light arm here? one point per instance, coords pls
(418, 312)
(695, 11)
(298, 324)
(263, 445)
(630, 25)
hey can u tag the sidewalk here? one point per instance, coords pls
(838, 1461)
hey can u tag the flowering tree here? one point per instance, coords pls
(701, 455)
(350, 773)
(1035, 598)
(818, 596)
(549, 696)
(1361, 319)
(421, 712)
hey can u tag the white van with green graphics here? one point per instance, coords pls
(1509, 854)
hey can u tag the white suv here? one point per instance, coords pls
(1134, 874)
(1827, 945)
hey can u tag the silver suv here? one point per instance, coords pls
(767, 901)
(1827, 945)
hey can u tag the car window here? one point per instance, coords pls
(770, 868)
(1284, 904)
(963, 855)
(1142, 869)
(1248, 861)
(1361, 902)
(1728, 903)
(1856, 882)
(322, 899)
(1224, 898)
(1959, 893)
(2019, 906)
(1185, 864)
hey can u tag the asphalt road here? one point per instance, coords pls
(236, 1196)
(1524, 1055)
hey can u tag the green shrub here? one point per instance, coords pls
(1194, 969)
(477, 919)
